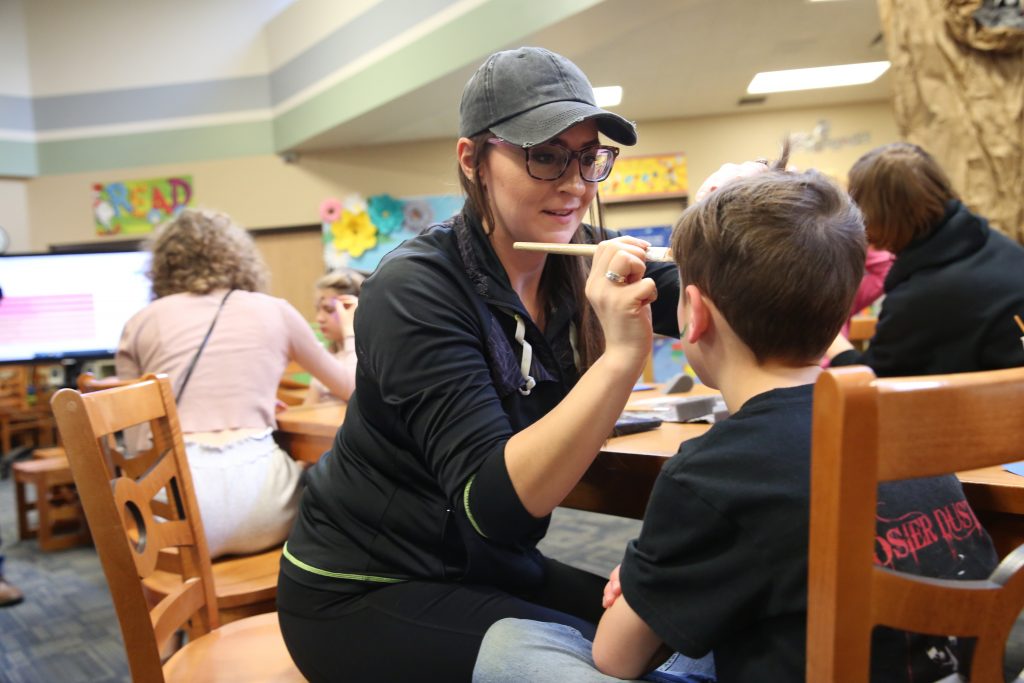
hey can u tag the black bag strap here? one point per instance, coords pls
(195, 358)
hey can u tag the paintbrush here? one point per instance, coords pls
(653, 253)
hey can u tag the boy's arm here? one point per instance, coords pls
(625, 646)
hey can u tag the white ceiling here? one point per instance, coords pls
(673, 58)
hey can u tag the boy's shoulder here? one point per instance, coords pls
(774, 423)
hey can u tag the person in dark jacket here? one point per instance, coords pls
(956, 284)
(487, 381)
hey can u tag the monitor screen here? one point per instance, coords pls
(58, 306)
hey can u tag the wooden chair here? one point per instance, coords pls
(292, 391)
(59, 521)
(245, 585)
(17, 416)
(52, 513)
(862, 329)
(129, 537)
(869, 430)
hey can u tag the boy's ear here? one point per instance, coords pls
(699, 320)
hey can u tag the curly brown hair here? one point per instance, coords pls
(200, 251)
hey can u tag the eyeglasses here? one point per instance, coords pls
(548, 161)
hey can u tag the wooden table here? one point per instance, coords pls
(307, 432)
(620, 480)
(618, 483)
(997, 497)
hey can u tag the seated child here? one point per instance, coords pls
(337, 297)
(769, 265)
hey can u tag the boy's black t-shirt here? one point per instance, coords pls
(721, 561)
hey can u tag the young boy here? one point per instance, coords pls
(768, 267)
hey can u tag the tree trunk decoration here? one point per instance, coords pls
(958, 81)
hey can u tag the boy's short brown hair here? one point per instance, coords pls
(902, 192)
(780, 255)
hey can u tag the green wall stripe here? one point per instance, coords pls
(160, 147)
(18, 159)
(467, 39)
(464, 40)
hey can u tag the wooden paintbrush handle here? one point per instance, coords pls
(653, 253)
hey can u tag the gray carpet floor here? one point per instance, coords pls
(66, 630)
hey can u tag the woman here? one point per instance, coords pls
(955, 285)
(207, 280)
(485, 387)
(337, 297)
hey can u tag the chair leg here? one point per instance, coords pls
(45, 520)
(60, 519)
(59, 505)
(24, 505)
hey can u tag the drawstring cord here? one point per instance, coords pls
(527, 358)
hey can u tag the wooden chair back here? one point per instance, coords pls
(862, 329)
(118, 505)
(868, 430)
(13, 388)
(87, 381)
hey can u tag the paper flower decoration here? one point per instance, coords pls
(386, 213)
(330, 210)
(354, 233)
(418, 215)
(354, 203)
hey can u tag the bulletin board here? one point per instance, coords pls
(643, 178)
(358, 233)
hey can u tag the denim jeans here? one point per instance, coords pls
(517, 650)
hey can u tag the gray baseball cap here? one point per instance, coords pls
(530, 95)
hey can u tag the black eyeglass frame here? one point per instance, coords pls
(573, 155)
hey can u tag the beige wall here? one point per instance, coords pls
(710, 141)
(14, 214)
(264, 192)
(301, 25)
(14, 76)
(259, 192)
(77, 47)
(267, 192)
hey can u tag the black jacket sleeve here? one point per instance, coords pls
(424, 342)
(904, 338)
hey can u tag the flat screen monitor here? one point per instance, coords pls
(68, 306)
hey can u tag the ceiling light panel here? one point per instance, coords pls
(608, 96)
(816, 77)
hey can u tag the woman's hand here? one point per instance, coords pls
(622, 296)
(345, 307)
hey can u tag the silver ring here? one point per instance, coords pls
(615, 277)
